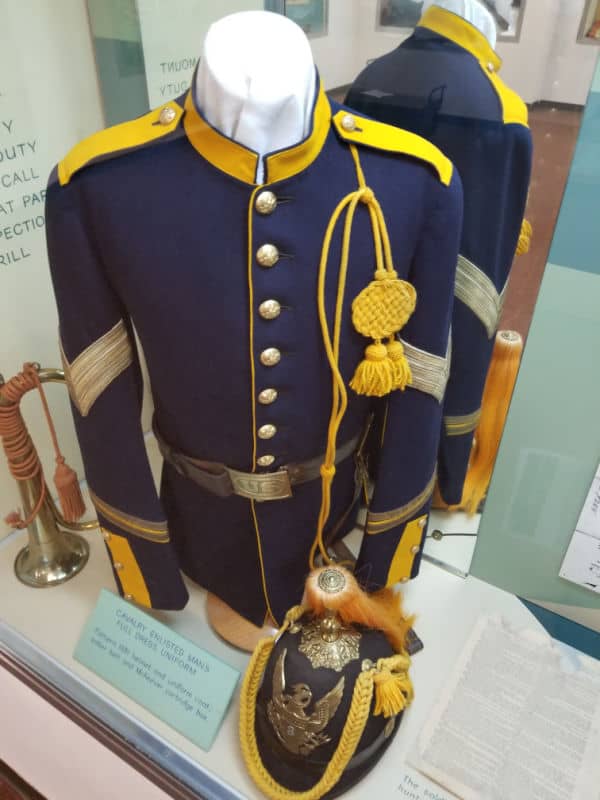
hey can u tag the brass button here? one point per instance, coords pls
(118, 566)
(267, 431)
(266, 202)
(422, 522)
(265, 461)
(414, 549)
(167, 115)
(267, 396)
(269, 309)
(348, 122)
(128, 596)
(106, 536)
(404, 579)
(267, 255)
(270, 357)
(490, 67)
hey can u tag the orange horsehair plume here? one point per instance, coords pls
(495, 403)
(381, 610)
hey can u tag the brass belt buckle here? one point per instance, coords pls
(263, 486)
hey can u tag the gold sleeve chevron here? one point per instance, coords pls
(156, 532)
(476, 290)
(381, 521)
(429, 372)
(94, 369)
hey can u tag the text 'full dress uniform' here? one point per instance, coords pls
(158, 223)
(442, 83)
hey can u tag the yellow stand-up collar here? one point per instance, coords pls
(240, 162)
(462, 33)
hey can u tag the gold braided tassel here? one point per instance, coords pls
(524, 238)
(393, 689)
(402, 375)
(380, 311)
(375, 374)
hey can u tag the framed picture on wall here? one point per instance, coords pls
(398, 13)
(311, 15)
(589, 29)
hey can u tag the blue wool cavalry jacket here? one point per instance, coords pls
(159, 224)
(442, 83)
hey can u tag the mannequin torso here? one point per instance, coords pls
(256, 81)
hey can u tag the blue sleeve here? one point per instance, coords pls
(104, 379)
(498, 174)
(397, 517)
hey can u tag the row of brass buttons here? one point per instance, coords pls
(267, 256)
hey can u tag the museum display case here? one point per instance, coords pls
(268, 318)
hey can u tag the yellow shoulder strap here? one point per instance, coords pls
(120, 138)
(379, 136)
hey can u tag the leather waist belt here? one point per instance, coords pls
(225, 481)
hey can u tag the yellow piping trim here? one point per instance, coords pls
(465, 35)
(221, 152)
(153, 531)
(253, 394)
(402, 562)
(130, 576)
(460, 424)
(380, 136)
(240, 162)
(117, 138)
(381, 521)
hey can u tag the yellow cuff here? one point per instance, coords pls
(127, 568)
(408, 548)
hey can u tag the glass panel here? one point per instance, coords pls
(551, 446)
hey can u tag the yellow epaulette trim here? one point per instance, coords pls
(514, 110)
(369, 133)
(120, 139)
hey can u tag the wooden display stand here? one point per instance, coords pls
(232, 627)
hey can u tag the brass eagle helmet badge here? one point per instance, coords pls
(299, 732)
